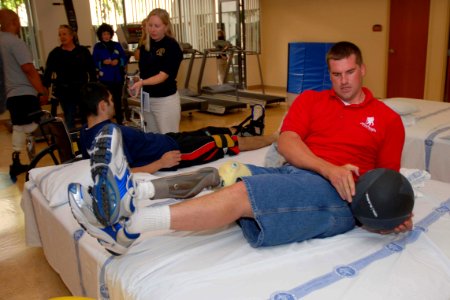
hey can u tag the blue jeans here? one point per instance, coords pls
(292, 205)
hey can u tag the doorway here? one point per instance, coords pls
(407, 55)
(447, 76)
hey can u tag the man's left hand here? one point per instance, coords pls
(407, 225)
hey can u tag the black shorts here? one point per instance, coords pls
(199, 147)
(20, 107)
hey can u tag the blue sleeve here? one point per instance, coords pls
(96, 55)
(83, 143)
(122, 56)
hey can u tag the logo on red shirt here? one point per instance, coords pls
(369, 124)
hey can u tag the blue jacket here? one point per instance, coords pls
(111, 50)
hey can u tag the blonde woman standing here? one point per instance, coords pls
(159, 61)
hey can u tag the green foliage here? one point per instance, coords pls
(11, 4)
(109, 6)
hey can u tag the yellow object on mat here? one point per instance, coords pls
(231, 171)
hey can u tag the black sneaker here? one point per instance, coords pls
(256, 125)
(17, 168)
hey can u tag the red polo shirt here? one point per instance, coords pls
(368, 135)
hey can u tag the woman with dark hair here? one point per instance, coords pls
(110, 60)
(73, 66)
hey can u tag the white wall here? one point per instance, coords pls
(285, 21)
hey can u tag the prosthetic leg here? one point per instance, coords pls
(111, 231)
(185, 185)
(103, 209)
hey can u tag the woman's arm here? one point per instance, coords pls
(158, 78)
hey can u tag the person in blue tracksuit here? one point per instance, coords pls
(110, 60)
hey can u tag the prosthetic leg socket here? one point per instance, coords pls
(186, 185)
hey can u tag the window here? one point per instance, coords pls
(194, 21)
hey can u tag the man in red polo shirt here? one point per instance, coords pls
(328, 139)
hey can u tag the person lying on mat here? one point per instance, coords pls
(150, 152)
(328, 138)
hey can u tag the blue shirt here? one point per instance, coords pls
(140, 148)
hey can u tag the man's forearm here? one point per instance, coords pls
(34, 78)
(150, 168)
(297, 153)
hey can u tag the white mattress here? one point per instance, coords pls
(219, 264)
(427, 144)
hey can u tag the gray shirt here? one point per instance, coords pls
(15, 53)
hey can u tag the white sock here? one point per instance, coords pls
(149, 219)
(143, 186)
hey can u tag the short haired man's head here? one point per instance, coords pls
(91, 95)
(9, 21)
(342, 50)
(346, 72)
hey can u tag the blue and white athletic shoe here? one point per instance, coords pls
(113, 238)
(111, 175)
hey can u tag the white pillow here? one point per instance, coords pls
(53, 181)
(408, 120)
(402, 107)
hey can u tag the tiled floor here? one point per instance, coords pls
(24, 271)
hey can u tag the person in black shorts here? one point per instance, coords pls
(23, 88)
(150, 152)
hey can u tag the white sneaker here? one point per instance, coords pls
(113, 237)
(111, 175)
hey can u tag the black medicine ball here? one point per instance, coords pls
(383, 200)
